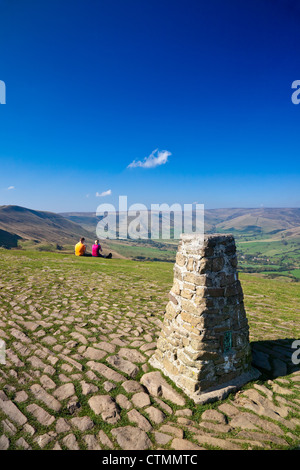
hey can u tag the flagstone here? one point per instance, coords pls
(131, 438)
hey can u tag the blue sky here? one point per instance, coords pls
(202, 88)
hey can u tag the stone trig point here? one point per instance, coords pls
(204, 343)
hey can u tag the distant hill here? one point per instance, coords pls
(266, 221)
(8, 240)
(268, 239)
(19, 223)
(87, 220)
(265, 236)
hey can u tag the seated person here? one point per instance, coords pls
(97, 251)
(80, 247)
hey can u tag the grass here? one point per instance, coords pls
(274, 302)
(143, 251)
(58, 285)
(257, 253)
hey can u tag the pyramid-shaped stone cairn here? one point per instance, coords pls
(204, 343)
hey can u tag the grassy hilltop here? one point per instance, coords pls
(65, 320)
(272, 305)
(268, 240)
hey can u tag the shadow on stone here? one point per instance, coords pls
(275, 358)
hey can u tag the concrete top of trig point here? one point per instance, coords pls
(195, 243)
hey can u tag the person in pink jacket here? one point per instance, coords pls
(97, 251)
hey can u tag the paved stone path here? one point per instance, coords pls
(77, 374)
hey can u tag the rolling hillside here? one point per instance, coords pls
(18, 223)
(248, 221)
(268, 239)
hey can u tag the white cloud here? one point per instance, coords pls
(156, 158)
(10, 188)
(105, 193)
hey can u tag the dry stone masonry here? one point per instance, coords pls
(204, 343)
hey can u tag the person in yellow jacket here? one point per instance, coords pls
(80, 247)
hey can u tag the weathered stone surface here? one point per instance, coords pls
(12, 412)
(123, 365)
(45, 397)
(108, 386)
(161, 438)
(131, 386)
(105, 440)
(107, 372)
(8, 427)
(242, 421)
(106, 406)
(155, 415)
(44, 439)
(62, 425)
(167, 409)
(204, 343)
(169, 429)
(183, 444)
(229, 409)
(28, 429)
(64, 391)
(264, 437)
(49, 340)
(83, 424)
(88, 388)
(256, 402)
(281, 390)
(132, 355)
(70, 442)
(216, 442)
(108, 347)
(258, 422)
(42, 416)
(21, 443)
(159, 387)
(123, 402)
(140, 399)
(216, 427)
(213, 415)
(185, 412)
(21, 397)
(91, 442)
(95, 354)
(4, 442)
(56, 446)
(131, 438)
(135, 417)
(47, 382)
